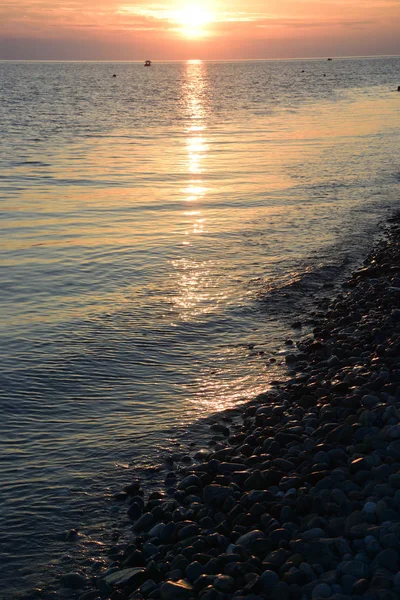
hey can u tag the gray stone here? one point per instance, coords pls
(269, 579)
(369, 401)
(342, 546)
(227, 468)
(277, 535)
(133, 576)
(148, 587)
(312, 534)
(144, 522)
(188, 531)
(91, 595)
(353, 567)
(394, 481)
(156, 531)
(354, 518)
(360, 586)
(388, 595)
(394, 449)
(74, 581)
(194, 570)
(293, 481)
(281, 591)
(216, 494)
(393, 433)
(321, 590)
(224, 583)
(189, 481)
(150, 549)
(213, 594)
(369, 508)
(347, 582)
(247, 539)
(176, 590)
(388, 559)
(360, 464)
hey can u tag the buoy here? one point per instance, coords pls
(114, 75)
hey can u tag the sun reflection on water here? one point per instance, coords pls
(195, 189)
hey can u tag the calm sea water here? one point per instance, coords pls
(155, 227)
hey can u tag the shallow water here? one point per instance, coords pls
(155, 227)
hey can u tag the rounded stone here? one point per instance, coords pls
(74, 581)
(194, 570)
(369, 508)
(360, 586)
(269, 579)
(388, 559)
(369, 401)
(321, 590)
(224, 583)
(176, 590)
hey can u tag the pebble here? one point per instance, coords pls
(321, 590)
(74, 581)
(134, 576)
(176, 590)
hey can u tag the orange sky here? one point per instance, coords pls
(179, 29)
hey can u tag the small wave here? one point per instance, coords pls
(301, 285)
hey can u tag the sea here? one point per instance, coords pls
(162, 231)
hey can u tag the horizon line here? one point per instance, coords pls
(183, 60)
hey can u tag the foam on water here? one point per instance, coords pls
(160, 231)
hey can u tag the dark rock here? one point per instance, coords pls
(355, 568)
(176, 590)
(91, 595)
(74, 581)
(216, 494)
(247, 540)
(281, 592)
(393, 450)
(194, 571)
(268, 580)
(133, 576)
(190, 480)
(188, 531)
(360, 587)
(369, 401)
(147, 587)
(144, 522)
(321, 590)
(224, 583)
(133, 488)
(388, 559)
(255, 481)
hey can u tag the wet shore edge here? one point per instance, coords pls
(301, 498)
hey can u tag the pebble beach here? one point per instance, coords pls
(300, 499)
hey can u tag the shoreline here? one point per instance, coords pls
(301, 499)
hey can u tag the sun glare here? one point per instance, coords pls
(193, 18)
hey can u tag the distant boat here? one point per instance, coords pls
(147, 63)
(329, 59)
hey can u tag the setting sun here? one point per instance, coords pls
(193, 19)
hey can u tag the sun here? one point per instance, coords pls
(193, 18)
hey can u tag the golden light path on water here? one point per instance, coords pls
(197, 291)
(193, 274)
